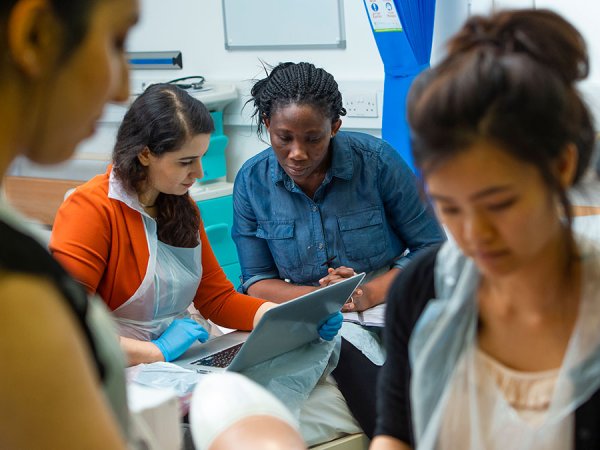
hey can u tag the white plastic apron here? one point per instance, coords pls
(454, 406)
(167, 290)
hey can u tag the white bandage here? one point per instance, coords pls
(221, 399)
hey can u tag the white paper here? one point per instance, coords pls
(372, 317)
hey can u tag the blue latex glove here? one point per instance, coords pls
(180, 335)
(329, 328)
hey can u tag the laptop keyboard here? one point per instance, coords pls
(219, 359)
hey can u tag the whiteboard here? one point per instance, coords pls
(281, 24)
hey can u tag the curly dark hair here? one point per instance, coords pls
(295, 83)
(162, 118)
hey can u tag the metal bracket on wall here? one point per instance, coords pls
(155, 60)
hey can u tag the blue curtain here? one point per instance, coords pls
(404, 54)
(417, 18)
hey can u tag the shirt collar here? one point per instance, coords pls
(118, 191)
(341, 164)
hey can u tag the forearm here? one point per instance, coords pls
(372, 293)
(387, 443)
(278, 291)
(139, 352)
(261, 310)
(377, 289)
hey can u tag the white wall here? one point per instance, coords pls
(196, 28)
(198, 33)
(449, 16)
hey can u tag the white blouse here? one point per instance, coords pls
(528, 393)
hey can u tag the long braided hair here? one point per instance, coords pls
(299, 84)
(163, 118)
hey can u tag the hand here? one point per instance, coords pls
(358, 301)
(180, 335)
(329, 329)
(335, 275)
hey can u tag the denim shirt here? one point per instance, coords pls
(365, 214)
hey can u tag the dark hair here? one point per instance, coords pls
(162, 118)
(296, 83)
(509, 79)
(74, 15)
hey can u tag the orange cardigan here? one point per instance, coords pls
(102, 243)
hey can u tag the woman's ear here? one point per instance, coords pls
(34, 37)
(335, 127)
(144, 157)
(566, 165)
(266, 121)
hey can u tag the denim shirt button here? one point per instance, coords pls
(314, 208)
(320, 246)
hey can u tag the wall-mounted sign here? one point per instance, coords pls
(383, 15)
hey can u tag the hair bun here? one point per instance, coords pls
(542, 35)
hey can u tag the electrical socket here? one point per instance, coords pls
(361, 104)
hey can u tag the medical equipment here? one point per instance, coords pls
(194, 82)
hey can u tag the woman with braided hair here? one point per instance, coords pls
(495, 342)
(321, 204)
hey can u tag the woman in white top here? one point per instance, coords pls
(495, 342)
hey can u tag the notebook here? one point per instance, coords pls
(372, 317)
(281, 329)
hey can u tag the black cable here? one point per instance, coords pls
(196, 84)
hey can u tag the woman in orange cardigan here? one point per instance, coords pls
(135, 236)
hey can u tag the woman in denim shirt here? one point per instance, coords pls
(322, 204)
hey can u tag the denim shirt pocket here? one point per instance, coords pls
(363, 234)
(280, 237)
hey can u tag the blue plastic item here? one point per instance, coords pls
(233, 272)
(214, 162)
(180, 335)
(401, 65)
(329, 329)
(217, 215)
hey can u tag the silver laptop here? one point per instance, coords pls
(281, 329)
